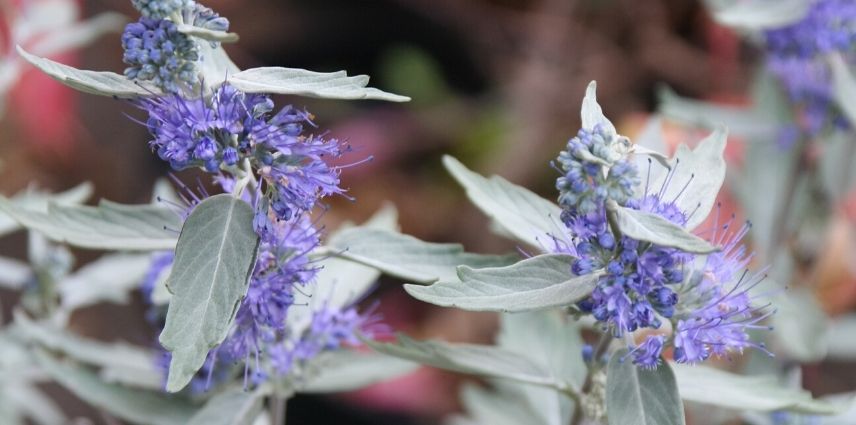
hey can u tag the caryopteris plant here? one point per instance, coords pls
(625, 293)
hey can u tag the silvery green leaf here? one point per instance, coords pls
(328, 85)
(406, 257)
(349, 370)
(591, 113)
(340, 283)
(108, 226)
(133, 405)
(480, 360)
(557, 345)
(108, 279)
(759, 14)
(741, 120)
(101, 83)
(800, 326)
(14, 274)
(836, 164)
(215, 66)
(29, 402)
(652, 228)
(707, 385)
(233, 406)
(535, 283)
(36, 200)
(497, 407)
(78, 34)
(703, 168)
(840, 341)
(207, 34)
(844, 87)
(636, 396)
(526, 216)
(214, 258)
(118, 362)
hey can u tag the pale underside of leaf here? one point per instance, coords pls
(535, 283)
(329, 85)
(102, 83)
(526, 216)
(233, 406)
(38, 201)
(108, 226)
(652, 228)
(406, 257)
(591, 112)
(214, 258)
(759, 14)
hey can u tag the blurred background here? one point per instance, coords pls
(497, 83)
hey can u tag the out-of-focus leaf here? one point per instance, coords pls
(800, 326)
(468, 358)
(214, 258)
(133, 405)
(836, 165)
(233, 406)
(29, 402)
(636, 396)
(707, 385)
(118, 362)
(101, 83)
(348, 370)
(844, 87)
(653, 228)
(409, 258)
(758, 14)
(38, 201)
(839, 340)
(535, 283)
(108, 279)
(328, 85)
(520, 213)
(740, 120)
(108, 226)
(14, 274)
(78, 34)
(496, 407)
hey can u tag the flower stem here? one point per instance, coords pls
(277, 409)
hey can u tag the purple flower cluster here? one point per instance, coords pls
(159, 9)
(590, 173)
(155, 51)
(796, 56)
(230, 127)
(643, 283)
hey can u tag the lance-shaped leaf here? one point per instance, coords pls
(349, 370)
(535, 283)
(707, 385)
(845, 87)
(409, 258)
(741, 120)
(648, 227)
(759, 14)
(38, 201)
(100, 83)
(591, 113)
(479, 360)
(136, 406)
(108, 226)
(118, 362)
(214, 258)
(109, 279)
(520, 213)
(208, 34)
(636, 396)
(234, 406)
(328, 85)
(695, 178)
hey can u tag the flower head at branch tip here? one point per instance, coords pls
(155, 51)
(160, 9)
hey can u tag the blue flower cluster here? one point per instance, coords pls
(796, 56)
(155, 51)
(259, 153)
(160, 9)
(643, 284)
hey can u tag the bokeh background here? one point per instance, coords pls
(496, 83)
